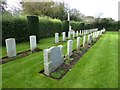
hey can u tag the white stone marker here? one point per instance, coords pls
(93, 34)
(91, 38)
(56, 37)
(69, 47)
(77, 34)
(64, 36)
(61, 50)
(88, 39)
(11, 47)
(78, 43)
(73, 34)
(33, 43)
(69, 35)
(84, 40)
(80, 32)
(70, 28)
(53, 58)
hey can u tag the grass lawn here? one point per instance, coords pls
(98, 68)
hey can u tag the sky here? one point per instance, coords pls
(104, 8)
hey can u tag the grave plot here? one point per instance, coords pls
(91, 70)
(11, 49)
(55, 66)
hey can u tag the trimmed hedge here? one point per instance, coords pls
(20, 28)
(14, 28)
(48, 27)
(33, 26)
(77, 25)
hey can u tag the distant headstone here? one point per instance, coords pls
(77, 34)
(56, 37)
(69, 35)
(53, 58)
(11, 47)
(33, 43)
(73, 34)
(78, 43)
(80, 32)
(88, 39)
(91, 38)
(64, 36)
(84, 40)
(69, 47)
(70, 28)
(93, 35)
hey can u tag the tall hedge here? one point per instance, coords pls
(65, 26)
(33, 26)
(15, 27)
(21, 28)
(48, 27)
(77, 25)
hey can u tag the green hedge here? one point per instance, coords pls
(48, 27)
(33, 26)
(15, 27)
(20, 28)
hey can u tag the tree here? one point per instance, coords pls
(51, 9)
(75, 15)
(3, 5)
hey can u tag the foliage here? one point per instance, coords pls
(20, 29)
(33, 26)
(107, 23)
(65, 26)
(15, 27)
(75, 15)
(51, 9)
(76, 25)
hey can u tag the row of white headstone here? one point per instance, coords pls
(11, 45)
(74, 34)
(54, 58)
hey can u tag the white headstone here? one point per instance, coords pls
(73, 34)
(68, 16)
(11, 47)
(77, 34)
(53, 58)
(56, 37)
(80, 32)
(69, 47)
(78, 43)
(84, 40)
(33, 44)
(70, 28)
(88, 38)
(69, 35)
(93, 35)
(91, 38)
(64, 36)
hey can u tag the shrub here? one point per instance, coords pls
(77, 25)
(33, 26)
(15, 27)
(65, 26)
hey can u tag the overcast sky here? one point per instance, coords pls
(107, 8)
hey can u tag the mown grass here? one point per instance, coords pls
(98, 68)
